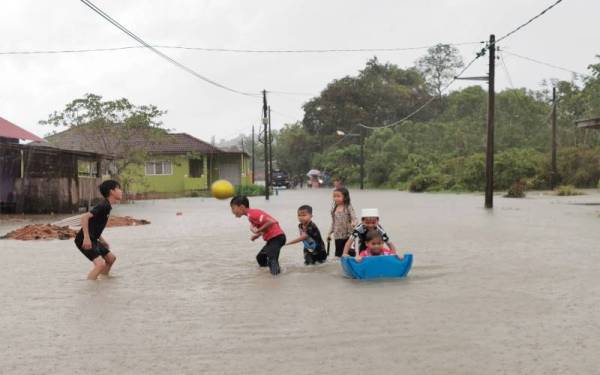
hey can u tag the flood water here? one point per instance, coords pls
(515, 290)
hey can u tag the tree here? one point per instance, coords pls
(380, 94)
(439, 66)
(113, 127)
(294, 149)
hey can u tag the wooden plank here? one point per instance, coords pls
(593, 123)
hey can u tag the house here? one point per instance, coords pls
(38, 178)
(174, 164)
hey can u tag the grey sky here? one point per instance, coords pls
(32, 86)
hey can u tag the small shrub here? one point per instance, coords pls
(567, 190)
(517, 189)
(249, 190)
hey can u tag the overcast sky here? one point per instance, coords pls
(32, 86)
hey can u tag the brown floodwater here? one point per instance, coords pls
(515, 290)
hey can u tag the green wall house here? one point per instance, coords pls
(175, 164)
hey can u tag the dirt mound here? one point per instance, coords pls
(125, 221)
(50, 231)
(41, 232)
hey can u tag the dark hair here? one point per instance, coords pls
(107, 186)
(240, 200)
(373, 234)
(306, 208)
(345, 194)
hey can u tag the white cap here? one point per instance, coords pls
(369, 212)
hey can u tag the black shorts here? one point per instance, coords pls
(270, 250)
(97, 250)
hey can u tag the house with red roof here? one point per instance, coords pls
(38, 178)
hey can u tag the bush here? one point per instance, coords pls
(249, 190)
(567, 190)
(430, 182)
(579, 167)
(517, 189)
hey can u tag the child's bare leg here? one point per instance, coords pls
(110, 259)
(99, 266)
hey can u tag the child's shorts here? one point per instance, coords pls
(97, 250)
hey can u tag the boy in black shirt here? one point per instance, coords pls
(89, 239)
(314, 247)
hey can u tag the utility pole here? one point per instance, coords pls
(554, 168)
(265, 121)
(253, 158)
(270, 149)
(489, 158)
(362, 159)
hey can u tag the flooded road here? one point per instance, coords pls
(513, 291)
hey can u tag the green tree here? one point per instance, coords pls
(113, 127)
(439, 66)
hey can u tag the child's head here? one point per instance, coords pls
(370, 218)
(374, 241)
(341, 196)
(305, 214)
(239, 205)
(111, 189)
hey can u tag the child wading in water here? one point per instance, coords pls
(343, 219)
(375, 246)
(89, 239)
(314, 248)
(265, 225)
(369, 221)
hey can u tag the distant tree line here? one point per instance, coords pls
(442, 147)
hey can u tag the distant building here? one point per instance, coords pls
(175, 164)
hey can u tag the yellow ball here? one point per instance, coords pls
(222, 189)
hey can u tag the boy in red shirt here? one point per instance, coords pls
(265, 225)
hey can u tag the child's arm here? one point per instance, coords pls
(262, 229)
(391, 246)
(299, 239)
(347, 246)
(85, 219)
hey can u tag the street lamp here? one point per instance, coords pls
(362, 151)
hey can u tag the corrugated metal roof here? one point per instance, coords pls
(10, 130)
(157, 141)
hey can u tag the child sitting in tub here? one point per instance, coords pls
(375, 246)
(369, 220)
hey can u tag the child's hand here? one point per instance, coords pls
(358, 258)
(253, 229)
(87, 244)
(254, 236)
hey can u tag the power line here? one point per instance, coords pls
(505, 68)
(428, 102)
(528, 22)
(159, 53)
(545, 63)
(227, 50)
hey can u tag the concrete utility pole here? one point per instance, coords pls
(489, 157)
(554, 167)
(265, 121)
(270, 149)
(362, 159)
(253, 158)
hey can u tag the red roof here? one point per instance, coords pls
(10, 130)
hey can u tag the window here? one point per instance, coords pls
(87, 168)
(196, 167)
(158, 168)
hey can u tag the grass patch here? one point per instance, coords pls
(567, 190)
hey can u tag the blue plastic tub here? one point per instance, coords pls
(377, 267)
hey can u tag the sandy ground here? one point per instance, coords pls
(512, 291)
